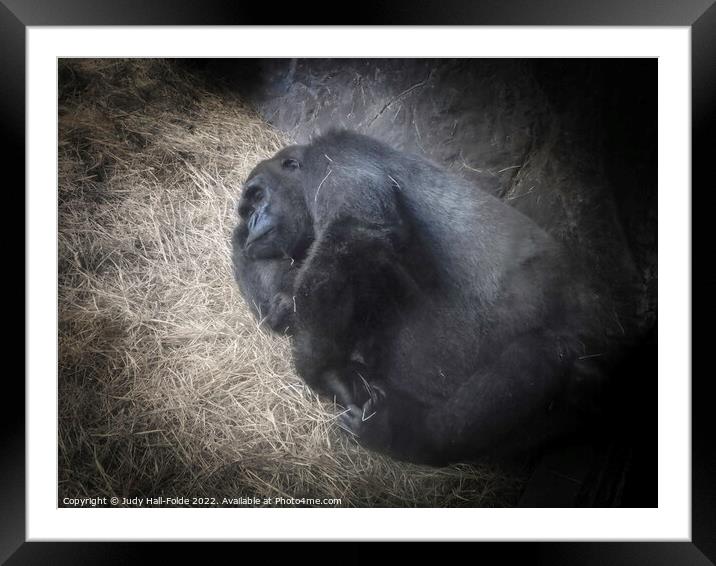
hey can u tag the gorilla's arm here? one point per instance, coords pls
(350, 280)
(353, 274)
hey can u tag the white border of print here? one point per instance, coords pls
(670, 521)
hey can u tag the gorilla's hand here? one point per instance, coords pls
(355, 416)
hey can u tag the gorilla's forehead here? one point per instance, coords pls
(261, 167)
(294, 151)
(291, 151)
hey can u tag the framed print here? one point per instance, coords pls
(215, 209)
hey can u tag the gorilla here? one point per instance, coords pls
(447, 324)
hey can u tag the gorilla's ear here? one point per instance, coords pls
(291, 164)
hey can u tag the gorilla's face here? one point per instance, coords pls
(275, 221)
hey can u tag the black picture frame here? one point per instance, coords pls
(699, 15)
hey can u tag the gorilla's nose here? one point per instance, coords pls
(257, 217)
(259, 224)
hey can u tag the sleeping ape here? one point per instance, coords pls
(449, 325)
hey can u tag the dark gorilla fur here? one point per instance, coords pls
(447, 323)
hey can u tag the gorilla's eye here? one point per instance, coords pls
(290, 163)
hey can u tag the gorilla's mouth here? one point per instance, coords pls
(257, 235)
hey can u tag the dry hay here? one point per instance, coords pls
(167, 385)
